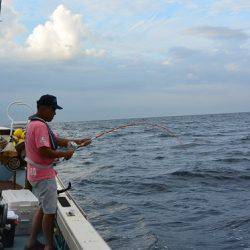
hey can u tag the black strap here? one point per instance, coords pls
(51, 134)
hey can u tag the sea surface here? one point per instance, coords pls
(143, 189)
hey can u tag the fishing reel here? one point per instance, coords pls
(72, 145)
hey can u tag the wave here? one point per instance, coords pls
(238, 153)
(233, 224)
(109, 239)
(217, 175)
(164, 135)
(130, 150)
(246, 138)
(187, 174)
(233, 160)
(130, 185)
(186, 145)
(159, 157)
(114, 134)
(104, 167)
(158, 187)
(93, 153)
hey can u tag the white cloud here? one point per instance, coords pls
(60, 37)
(95, 53)
(219, 33)
(191, 76)
(206, 67)
(168, 62)
(112, 7)
(231, 5)
(231, 67)
(10, 28)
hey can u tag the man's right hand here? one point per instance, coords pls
(68, 154)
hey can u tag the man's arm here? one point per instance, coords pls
(50, 153)
(62, 142)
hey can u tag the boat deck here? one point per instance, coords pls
(19, 242)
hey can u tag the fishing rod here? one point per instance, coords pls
(75, 147)
(106, 132)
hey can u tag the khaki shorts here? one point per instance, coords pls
(46, 193)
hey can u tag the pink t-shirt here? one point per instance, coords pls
(37, 136)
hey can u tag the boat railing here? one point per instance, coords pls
(13, 123)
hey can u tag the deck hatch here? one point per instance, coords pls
(63, 201)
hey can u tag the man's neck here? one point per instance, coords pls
(40, 116)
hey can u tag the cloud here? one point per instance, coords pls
(178, 55)
(95, 53)
(62, 37)
(189, 66)
(10, 28)
(231, 67)
(111, 7)
(231, 5)
(218, 33)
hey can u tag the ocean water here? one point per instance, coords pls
(142, 189)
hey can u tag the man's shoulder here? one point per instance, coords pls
(36, 124)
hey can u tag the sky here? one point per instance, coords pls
(108, 59)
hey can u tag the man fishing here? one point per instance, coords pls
(41, 150)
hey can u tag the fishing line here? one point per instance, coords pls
(112, 130)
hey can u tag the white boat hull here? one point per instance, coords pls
(76, 229)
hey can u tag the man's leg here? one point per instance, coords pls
(48, 230)
(49, 205)
(36, 227)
